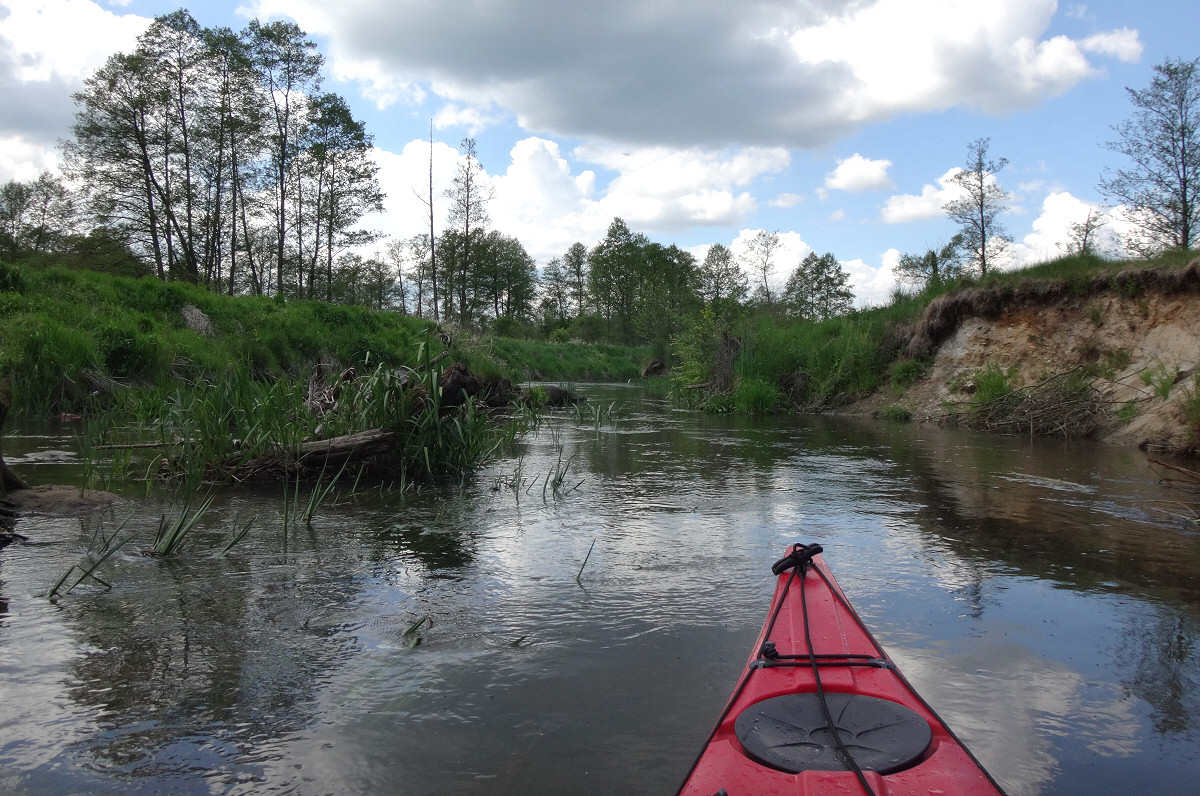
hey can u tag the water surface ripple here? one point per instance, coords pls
(1044, 596)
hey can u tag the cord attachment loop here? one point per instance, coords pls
(799, 557)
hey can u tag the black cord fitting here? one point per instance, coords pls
(799, 557)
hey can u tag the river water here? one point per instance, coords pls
(1043, 596)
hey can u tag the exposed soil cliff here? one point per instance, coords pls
(1115, 359)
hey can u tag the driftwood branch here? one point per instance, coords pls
(1192, 475)
(1051, 407)
(351, 447)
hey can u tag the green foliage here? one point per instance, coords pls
(934, 268)
(992, 383)
(755, 396)
(693, 346)
(823, 363)
(532, 359)
(896, 414)
(1127, 412)
(171, 534)
(67, 323)
(1160, 378)
(907, 372)
(818, 288)
(12, 279)
(129, 352)
(1191, 409)
(537, 395)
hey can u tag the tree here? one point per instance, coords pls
(667, 295)
(34, 216)
(178, 59)
(459, 292)
(759, 259)
(722, 285)
(379, 287)
(984, 238)
(819, 288)
(556, 294)
(507, 276)
(14, 207)
(346, 185)
(237, 131)
(933, 268)
(114, 151)
(468, 197)
(615, 273)
(576, 268)
(1160, 190)
(421, 275)
(290, 69)
(1083, 234)
(395, 255)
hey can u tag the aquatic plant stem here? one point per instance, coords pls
(585, 560)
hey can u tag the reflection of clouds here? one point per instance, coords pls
(1023, 699)
(37, 716)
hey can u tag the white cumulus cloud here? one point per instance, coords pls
(47, 48)
(856, 173)
(548, 200)
(1051, 230)
(928, 204)
(1122, 44)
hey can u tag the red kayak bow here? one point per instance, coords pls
(820, 708)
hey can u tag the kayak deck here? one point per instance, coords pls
(816, 666)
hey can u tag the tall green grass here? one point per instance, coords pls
(64, 332)
(566, 361)
(785, 363)
(238, 427)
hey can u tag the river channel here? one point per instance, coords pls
(1044, 596)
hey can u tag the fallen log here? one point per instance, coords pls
(337, 451)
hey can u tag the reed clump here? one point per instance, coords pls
(394, 423)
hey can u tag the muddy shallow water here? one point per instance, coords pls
(1043, 596)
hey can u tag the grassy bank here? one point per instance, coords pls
(66, 334)
(787, 364)
(219, 388)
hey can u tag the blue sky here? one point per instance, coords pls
(836, 123)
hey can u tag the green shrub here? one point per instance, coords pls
(1160, 378)
(907, 372)
(896, 413)
(1191, 409)
(992, 383)
(754, 396)
(12, 279)
(129, 353)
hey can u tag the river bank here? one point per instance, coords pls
(1116, 359)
